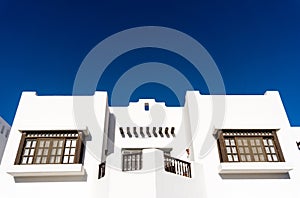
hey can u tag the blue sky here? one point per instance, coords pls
(255, 44)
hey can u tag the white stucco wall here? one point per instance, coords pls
(4, 134)
(195, 124)
(158, 116)
(35, 113)
(243, 112)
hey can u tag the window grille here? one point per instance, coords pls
(249, 146)
(50, 148)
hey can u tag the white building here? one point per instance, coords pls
(4, 133)
(213, 146)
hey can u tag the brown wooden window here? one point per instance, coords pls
(50, 148)
(249, 146)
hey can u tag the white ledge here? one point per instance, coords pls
(46, 170)
(253, 167)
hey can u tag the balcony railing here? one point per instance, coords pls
(132, 161)
(101, 170)
(177, 166)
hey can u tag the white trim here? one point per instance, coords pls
(254, 167)
(46, 170)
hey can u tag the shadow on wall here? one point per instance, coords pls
(111, 134)
(256, 176)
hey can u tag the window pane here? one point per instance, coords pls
(74, 143)
(57, 160)
(248, 158)
(232, 142)
(233, 150)
(243, 158)
(71, 160)
(275, 158)
(241, 149)
(32, 152)
(68, 143)
(270, 142)
(228, 150)
(257, 141)
(245, 142)
(227, 143)
(247, 150)
(66, 159)
(67, 150)
(256, 158)
(41, 143)
(272, 150)
(60, 143)
(52, 159)
(33, 143)
(55, 143)
(262, 158)
(26, 152)
(259, 150)
(129, 163)
(240, 143)
(72, 151)
(47, 143)
(44, 160)
(45, 151)
(40, 151)
(229, 158)
(28, 143)
(235, 158)
(53, 151)
(24, 160)
(59, 151)
(269, 158)
(38, 160)
(254, 150)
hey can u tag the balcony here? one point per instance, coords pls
(151, 159)
(177, 166)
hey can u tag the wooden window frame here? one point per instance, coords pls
(51, 136)
(231, 134)
(130, 164)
